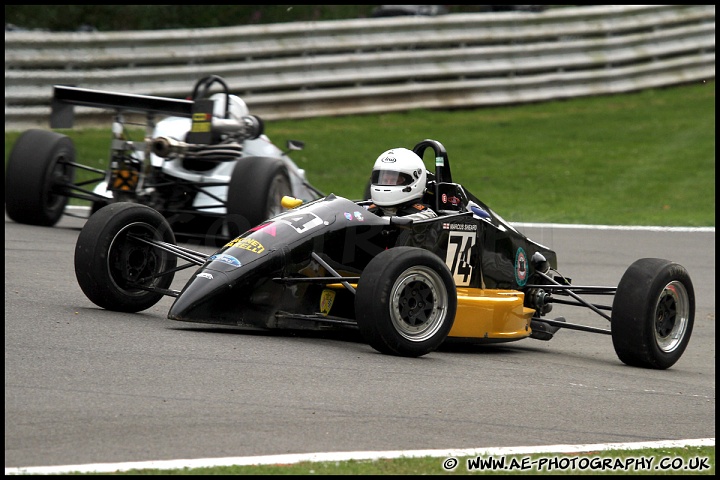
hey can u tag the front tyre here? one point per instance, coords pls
(653, 314)
(256, 189)
(113, 267)
(405, 302)
(39, 167)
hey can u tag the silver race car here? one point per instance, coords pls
(206, 165)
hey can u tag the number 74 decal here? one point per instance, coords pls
(460, 245)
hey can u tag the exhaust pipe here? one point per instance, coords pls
(247, 127)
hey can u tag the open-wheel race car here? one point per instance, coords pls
(204, 162)
(406, 285)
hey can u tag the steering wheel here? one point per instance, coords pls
(202, 88)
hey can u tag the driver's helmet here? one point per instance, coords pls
(238, 108)
(398, 177)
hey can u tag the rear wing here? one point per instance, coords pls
(205, 129)
(65, 98)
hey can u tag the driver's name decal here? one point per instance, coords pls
(462, 227)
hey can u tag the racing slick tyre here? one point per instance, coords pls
(256, 189)
(95, 206)
(405, 302)
(653, 314)
(40, 164)
(114, 269)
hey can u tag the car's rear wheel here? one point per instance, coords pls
(255, 192)
(653, 313)
(114, 267)
(405, 302)
(39, 166)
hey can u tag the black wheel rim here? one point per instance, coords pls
(133, 263)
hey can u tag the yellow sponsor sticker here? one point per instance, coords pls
(201, 127)
(250, 244)
(326, 301)
(232, 242)
(246, 244)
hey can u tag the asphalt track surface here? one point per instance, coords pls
(86, 386)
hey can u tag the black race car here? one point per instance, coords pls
(407, 286)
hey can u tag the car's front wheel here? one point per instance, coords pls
(653, 313)
(114, 264)
(405, 302)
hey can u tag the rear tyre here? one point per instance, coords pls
(653, 314)
(95, 206)
(39, 166)
(405, 302)
(255, 192)
(112, 267)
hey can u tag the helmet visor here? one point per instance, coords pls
(387, 178)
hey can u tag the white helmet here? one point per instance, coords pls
(398, 176)
(238, 108)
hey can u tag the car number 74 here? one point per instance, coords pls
(460, 245)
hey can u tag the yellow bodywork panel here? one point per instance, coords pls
(494, 315)
(290, 202)
(491, 314)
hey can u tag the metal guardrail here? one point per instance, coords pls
(307, 69)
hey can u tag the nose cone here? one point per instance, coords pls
(200, 300)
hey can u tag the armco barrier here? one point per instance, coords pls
(307, 69)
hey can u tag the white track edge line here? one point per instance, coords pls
(344, 456)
